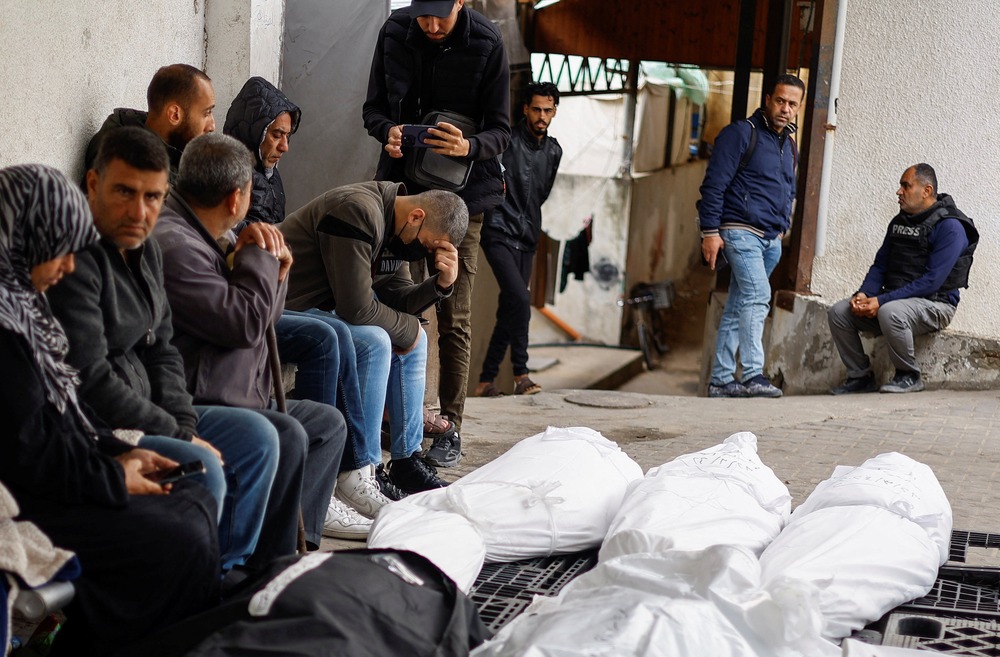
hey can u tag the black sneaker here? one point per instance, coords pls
(759, 386)
(445, 451)
(414, 475)
(388, 488)
(904, 382)
(857, 384)
(731, 389)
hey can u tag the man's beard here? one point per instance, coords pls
(536, 132)
(180, 136)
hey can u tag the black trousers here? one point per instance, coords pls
(311, 439)
(512, 269)
(144, 566)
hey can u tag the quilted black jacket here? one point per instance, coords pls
(253, 110)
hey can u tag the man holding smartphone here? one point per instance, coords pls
(440, 55)
(745, 207)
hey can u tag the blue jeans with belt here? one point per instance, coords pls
(751, 259)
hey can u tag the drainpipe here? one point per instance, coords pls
(831, 130)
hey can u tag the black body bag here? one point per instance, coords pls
(353, 603)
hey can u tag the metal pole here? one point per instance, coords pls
(631, 98)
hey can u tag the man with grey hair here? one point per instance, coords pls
(911, 288)
(352, 246)
(223, 303)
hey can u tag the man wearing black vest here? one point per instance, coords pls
(440, 55)
(911, 288)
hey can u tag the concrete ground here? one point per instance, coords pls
(802, 438)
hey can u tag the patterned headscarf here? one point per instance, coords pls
(42, 216)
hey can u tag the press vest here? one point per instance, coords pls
(911, 248)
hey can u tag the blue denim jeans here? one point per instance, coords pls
(249, 447)
(182, 451)
(388, 379)
(323, 349)
(751, 259)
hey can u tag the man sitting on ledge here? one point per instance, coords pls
(911, 288)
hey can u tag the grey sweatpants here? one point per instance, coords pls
(897, 320)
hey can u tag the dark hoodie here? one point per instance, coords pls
(253, 110)
(123, 117)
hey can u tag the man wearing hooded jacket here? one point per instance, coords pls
(911, 288)
(264, 119)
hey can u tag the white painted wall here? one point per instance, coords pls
(919, 84)
(589, 305)
(66, 65)
(243, 39)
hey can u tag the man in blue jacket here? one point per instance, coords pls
(911, 288)
(745, 206)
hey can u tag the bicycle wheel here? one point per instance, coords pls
(647, 345)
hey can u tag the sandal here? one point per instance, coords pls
(490, 391)
(526, 386)
(437, 425)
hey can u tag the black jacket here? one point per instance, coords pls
(530, 170)
(47, 456)
(253, 110)
(119, 326)
(468, 74)
(123, 117)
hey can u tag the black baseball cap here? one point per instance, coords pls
(438, 8)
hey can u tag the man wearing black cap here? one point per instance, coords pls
(440, 55)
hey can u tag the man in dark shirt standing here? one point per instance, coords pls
(911, 288)
(510, 235)
(441, 55)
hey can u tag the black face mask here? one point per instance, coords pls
(410, 252)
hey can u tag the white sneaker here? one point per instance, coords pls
(360, 490)
(344, 522)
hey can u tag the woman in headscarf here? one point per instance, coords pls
(149, 554)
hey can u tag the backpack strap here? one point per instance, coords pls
(748, 153)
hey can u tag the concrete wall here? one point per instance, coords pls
(243, 39)
(801, 357)
(918, 85)
(327, 76)
(589, 305)
(68, 64)
(663, 231)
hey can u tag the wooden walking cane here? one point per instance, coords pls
(279, 399)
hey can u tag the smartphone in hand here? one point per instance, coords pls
(720, 260)
(173, 475)
(414, 136)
